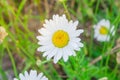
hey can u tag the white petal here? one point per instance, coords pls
(41, 38)
(15, 79)
(76, 33)
(58, 56)
(33, 73)
(73, 45)
(48, 52)
(101, 22)
(107, 24)
(81, 44)
(40, 75)
(22, 77)
(65, 54)
(53, 53)
(26, 74)
(44, 78)
(75, 25)
(103, 38)
(45, 48)
(75, 40)
(70, 49)
(112, 30)
(43, 31)
(46, 21)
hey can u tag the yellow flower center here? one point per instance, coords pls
(103, 30)
(60, 38)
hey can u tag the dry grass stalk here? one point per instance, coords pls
(115, 49)
(118, 58)
(3, 34)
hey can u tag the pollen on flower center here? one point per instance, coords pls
(60, 38)
(103, 30)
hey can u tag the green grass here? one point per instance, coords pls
(15, 17)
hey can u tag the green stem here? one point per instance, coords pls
(114, 71)
(98, 2)
(13, 62)
(106, 64)
(91, 44)
(66, 10)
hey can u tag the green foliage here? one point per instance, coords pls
(15, 16)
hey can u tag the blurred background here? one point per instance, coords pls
(22, 19)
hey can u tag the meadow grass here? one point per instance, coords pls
(22, 19)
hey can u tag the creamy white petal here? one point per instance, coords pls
(48, 52)
(33, 73)
(80, 44)
(43, 31)
(103, 38)
(76, 33)
(74, 26)
(45, 48)
(65, 54)
(26, 74)
(75, 39)
(43, 43)
(53, 53)
(44, 78)
(58, 56)
(40, 75)
(15, 79)
(73, 45)
(22, 77)
(71, 50)
(107, 24)
(112, 30)
(41, 38)
(101, 22)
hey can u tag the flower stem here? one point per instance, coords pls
(13, 62)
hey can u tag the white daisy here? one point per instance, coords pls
(32, 76)
(103, 30)
(59, 38)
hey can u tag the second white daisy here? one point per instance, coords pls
(59, 38)
(32, 76)
(103, 30)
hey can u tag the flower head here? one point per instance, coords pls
(3, 34)
(103, 30)
(32, 76)
(59, 38)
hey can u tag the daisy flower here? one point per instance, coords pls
(59, 38)
(32, 76)
(103, 30)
